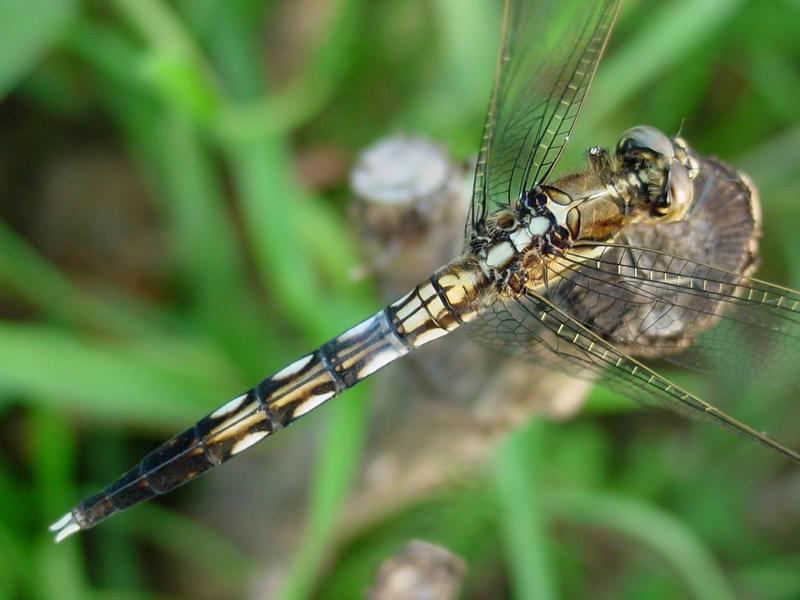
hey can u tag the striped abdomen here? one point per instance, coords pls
(434, 308)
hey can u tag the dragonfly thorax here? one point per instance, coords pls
(514, 251)
(649, 178)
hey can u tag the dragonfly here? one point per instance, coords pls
(647, 252)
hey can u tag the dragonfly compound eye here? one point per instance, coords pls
(680, 191)
(648, 139)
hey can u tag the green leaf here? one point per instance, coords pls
(28, 29)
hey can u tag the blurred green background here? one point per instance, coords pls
(173, 188)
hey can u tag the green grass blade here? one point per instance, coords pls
(59, 573)
(24, 272)
(59, 370)
(649, 526)
(309, 91)
(522, 522)
(28, 29)
(670, 32)
(193, 544)
(333, 478)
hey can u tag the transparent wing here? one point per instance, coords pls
(653, 304)
(549, 53)
(655, 293)
(532, 327)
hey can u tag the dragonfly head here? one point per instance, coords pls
(666, 168)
